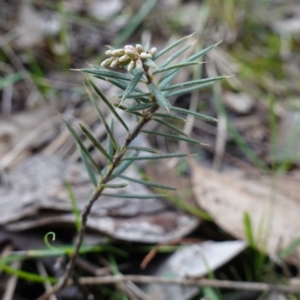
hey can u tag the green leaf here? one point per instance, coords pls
(92, 99)
(107, 73)
(178, 42)
(131, 196)
(177, 66)
(174, 56)
(170, 126)
(95, 142)
(122, 107)
(193, 82)
(110, 146)
(11, 79)
(188, 90)
(160, 98)
(114, 185)
(141, 106)
(172, 136)
(139, 96)
(201, 52)
(87, 166)
(147, 183)
(75, 209)
(160, 156)
(80, 144)
(248, 229)
(131, 86)
(108, 104)
(124, 165)
(150, 63)
(193, 113)
(144, 149)
(168, 116)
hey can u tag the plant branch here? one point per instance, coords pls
(146, 117)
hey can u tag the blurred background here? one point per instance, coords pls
(250, 168)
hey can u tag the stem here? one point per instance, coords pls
(147, 116)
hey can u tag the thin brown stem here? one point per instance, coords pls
(146, 117)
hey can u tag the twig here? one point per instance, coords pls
(215, 283)
(96, 194)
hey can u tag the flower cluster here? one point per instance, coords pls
(130, 56)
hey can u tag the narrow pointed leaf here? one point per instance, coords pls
(124, 165)
(177, 66)
(170, 126)
(92, 99)
(75, 209)
(197, 115)
(188, 90)
(160, 156)
(122, 107)
(131, 196)
(87, 167)
(139, 95)
(131, 86)
(144, 149)
(108, 73)
(168, 116)
(80, 144)
(141, 106)
(172, 136)
(110, 146)
(193, 82)
(95, 142)
(163, 51)
(174, 56)
(147, 183)
(201, 53)
(108, 104)
(114, 185)
(160, 98)
(150, 63)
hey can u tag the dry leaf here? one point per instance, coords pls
(228, 196)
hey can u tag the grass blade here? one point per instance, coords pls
(82, 147)
(131, 86)
(144, 149)
(95, 142)
(172, 136)
(131, 196)
(108, 104)
(177, 66)
(75, 209)
(161, 156)
(160, 98)
(193, 82)
(141, 106)
(148, 183)
(170, 126)
(193, 113)
(178, 42)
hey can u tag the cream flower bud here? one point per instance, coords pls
(118, 52)
(129, 47)
(152, 51)
(115, 63)
(108, 52)
(139, 65)
(106, 62)
(131, 66)
(124, 58)
(139, 48)
(131, 53)
(145, 55)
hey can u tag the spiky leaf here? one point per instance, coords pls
(131, 86)
(131, 196)
(197, 115)
(160, 98)
(160, 156)
(172, 136)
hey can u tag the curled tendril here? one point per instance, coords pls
(46, 241)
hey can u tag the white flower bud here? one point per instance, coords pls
(139, 48)
(131, 66)
(115, 63)
(118, 52)
(152, 51)
(131, 53)
(145, 56)
(129, 47)
(108, 52)
(139, 65)
(124, 58)
(106, 62)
